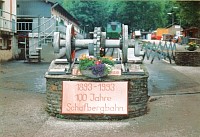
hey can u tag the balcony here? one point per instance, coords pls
(7, 22)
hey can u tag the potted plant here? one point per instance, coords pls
(191, 46)
(95, 67)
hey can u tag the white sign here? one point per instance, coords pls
(95, 97)
(177, 26)
(137, 33)
(178, 33)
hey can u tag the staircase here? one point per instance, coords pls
(39, 37)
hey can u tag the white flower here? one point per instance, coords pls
(108, 67)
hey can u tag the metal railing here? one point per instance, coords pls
(7, 21)
(40, 31)
(165, 51)
(38, 35)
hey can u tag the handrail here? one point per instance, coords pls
(35, 44)
(44, 30)
(45, 36)
(42, 24)
(7, 12)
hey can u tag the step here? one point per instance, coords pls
(34, 54)
(33, 57)
(39, 48)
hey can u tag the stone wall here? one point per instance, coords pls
(5, 55)
(137, 95)
(187, 58)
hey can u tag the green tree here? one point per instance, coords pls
(88, 13)
(143, 15)
(189, 13)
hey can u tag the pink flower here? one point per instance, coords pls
(98, 62)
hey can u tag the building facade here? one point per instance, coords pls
(36, 22)
(8, 48)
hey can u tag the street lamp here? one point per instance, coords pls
(172, 14)
(85, 30)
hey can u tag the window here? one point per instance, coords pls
(1, 8)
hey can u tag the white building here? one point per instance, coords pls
(7, 29)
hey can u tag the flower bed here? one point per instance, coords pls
(191, 46)
(95, 67)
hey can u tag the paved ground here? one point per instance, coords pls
(173, 106)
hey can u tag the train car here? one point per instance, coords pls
(113, 30)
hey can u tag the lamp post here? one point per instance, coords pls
(172, 14)
(85, 30)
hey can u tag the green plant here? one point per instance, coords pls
(99, 66)
(192, 46)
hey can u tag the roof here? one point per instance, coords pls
(59, 7)
(192, 28)
(175, 23)
(53, 1)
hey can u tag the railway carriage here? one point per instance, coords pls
(113, 30)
